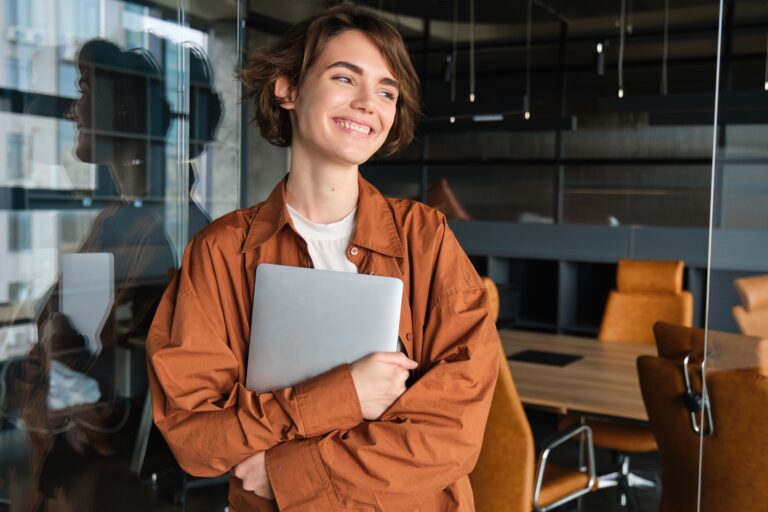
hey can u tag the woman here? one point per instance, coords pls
(337, 88)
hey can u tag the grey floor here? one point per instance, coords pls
(604, 500)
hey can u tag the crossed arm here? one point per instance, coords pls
(379, 380)
(425, 440)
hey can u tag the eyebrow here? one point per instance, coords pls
(357, 69)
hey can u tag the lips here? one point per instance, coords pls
(355, 127)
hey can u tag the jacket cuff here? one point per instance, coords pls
(298, 478)
(329, 402)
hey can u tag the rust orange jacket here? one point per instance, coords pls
(321, 454)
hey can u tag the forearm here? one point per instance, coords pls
(209, 438)
(429, 439)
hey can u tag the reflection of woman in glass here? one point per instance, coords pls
(337, 89)
(65, 392)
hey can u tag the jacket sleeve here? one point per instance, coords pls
(209, 419)
(430, 437)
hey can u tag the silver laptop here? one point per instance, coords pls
(307, 321)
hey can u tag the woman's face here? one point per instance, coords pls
(345, 107)
(80, 113)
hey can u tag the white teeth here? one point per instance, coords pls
(352, 126)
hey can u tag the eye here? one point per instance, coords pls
(343, 78)
(388, 95)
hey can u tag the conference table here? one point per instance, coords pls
(571, 374)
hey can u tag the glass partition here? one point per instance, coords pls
(734, 398)
(121, 130)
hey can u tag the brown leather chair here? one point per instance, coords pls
(734, 452)
(647, 291)
(493, 297)
(503, 478)
(442, 197)
(752, 316)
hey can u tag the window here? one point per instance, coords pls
(17, 292)
(18, 13)
(20, 233)
(14, 159)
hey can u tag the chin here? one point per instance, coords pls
(356, 157)
(83, 153)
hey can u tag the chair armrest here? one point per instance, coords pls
(550, 444)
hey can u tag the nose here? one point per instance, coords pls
(363, 101)
(70, 114)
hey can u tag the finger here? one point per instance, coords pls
(397, 358)
(405, 363)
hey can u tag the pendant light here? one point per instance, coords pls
(765, 83)
(622, 22)
(471, 51)
(527, 97)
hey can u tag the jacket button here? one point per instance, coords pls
(353, 251)
(409, 336)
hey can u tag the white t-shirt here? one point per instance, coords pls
(327, 243)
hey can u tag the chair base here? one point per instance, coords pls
(625, 480)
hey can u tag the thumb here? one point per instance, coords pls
(403, 361)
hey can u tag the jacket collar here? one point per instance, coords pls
(374, 224)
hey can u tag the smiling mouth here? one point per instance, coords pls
(353, 127)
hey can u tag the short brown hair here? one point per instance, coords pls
(293, 55)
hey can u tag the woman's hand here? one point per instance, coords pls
(380, 380)
(253, 472)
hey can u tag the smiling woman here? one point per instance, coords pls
(390, 431)
(293, 57)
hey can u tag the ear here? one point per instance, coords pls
(285, 93)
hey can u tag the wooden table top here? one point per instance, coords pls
(604, 382)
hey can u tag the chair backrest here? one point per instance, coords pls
(734, 461)
(442, 197)
(502, 480)
(493, 297)
(752, 315)
(646, 292)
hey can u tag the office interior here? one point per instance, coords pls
(603, 163)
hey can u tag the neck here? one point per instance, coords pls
(129, 170)
(130, 179)
(321, 193)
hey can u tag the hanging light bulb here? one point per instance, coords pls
(600, 59)
(622, 27)
(452, 119)
(527, 98)
(765, 84)
(471, 51)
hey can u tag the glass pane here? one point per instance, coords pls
(736, 391)
(121, 139)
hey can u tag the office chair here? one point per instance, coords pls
(732, 418)
(752, 315)
(503, 478)
(442, 197)
(646, 292)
